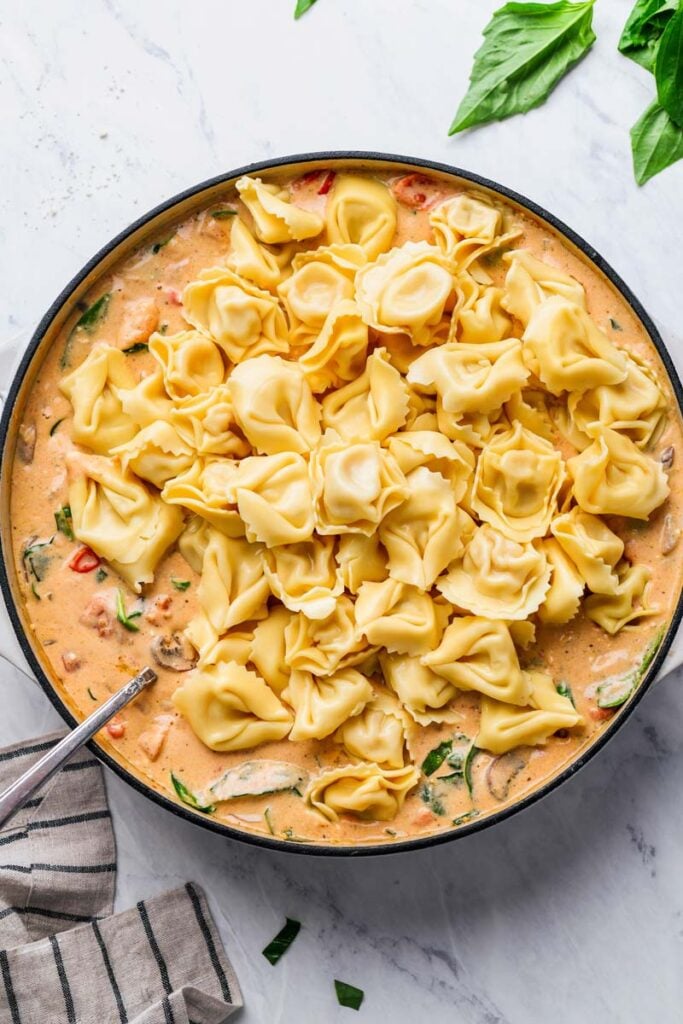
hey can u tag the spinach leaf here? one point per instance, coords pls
(189, 798)
(527, 49)
(669, 69)
(615, 325)
(436, 757)
(101, 575)
(282, 941)
(36, 560)
(429, 796)
(302, 6)
(223, 214)
(93, 314)
(656, 143)
(124, 618)
(158, 246)
(643, 29)
(348, 995)
(64, 521)
(564, 690)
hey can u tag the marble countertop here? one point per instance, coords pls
(572, 910)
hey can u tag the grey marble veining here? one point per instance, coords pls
(573, 910)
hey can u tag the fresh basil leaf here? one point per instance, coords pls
(656, 143)
(180, 584)
(139, 346)
(302, 6)
(527, 49)
(669, 69)
(348, 995)
(123, 617)
(467, 769)
(34, 591)
(189, 798)
(282, 941)
(564, 690)
(643, 30)
(436, 757)
(64, 521)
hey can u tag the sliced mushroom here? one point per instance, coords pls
(173, 651)
(26, 443)
(502, 771)
(671, 534)
(667, 457)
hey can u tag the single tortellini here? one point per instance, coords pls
(193, 540)
(636, 408)
(338, 354)
(366, 790)
(476, 653)
(232, 646)
(561, 602)
(497, 577)
(268, 648)
(272, 494)
(274, 406)
(593, 548)
(276, 218)
(425, 532)
(378, 733)
(230, 707)
(354, 486)
(244, 320)
(267, 268)
(190, 362)
(529, 281)
(516, 484)
(628, 602)
(465, 227)
(613, 477)
(426, 696)
(409, 290)
(147, 401)
(119, 517)
(399, 617)
(485, 320)
(321, 278)
(156, 453)
(196, 490)
(233, 587)
(322, 704)
(207, 424)
(370, 407)
(305, 576)
(530, 408)
(361, 211)
(429, 448)
(321, 646)
(361, 558)
(502, 727)
(471, 378)
(94, 388)
(567, 352)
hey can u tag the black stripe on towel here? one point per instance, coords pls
(70, 869)
(9, 989)
(44, 912)
(72, 819)
(4, 840)
(123, 1016)
(208, 939)
(168, 1011)
(154, 946)
(63, 981)
(78, 765)
(35, 748)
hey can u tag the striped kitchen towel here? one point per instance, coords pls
(64, 957)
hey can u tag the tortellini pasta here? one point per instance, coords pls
(248, 258)
(94, 390)
(592, 546)
(378, 733)
(233, 587)
(320, 646)
(361, 558)
(190, 362)
(207, 424)
(268, 648)
(471, 378)
(322, 703)
(274, 406)
(613, 477)
(562, 600)
(361, 211)
(119, 518)
(497, 577)
(529, 281)
(305, 576)
(485, 321)
(321, 279)
(196, 490)
(465, 227)
(366, 790)
(229, 707)
(502, 727)
(626, 604)
(338, 354)
(517, 483)
(426, 696)
(399, 617)
(156, 453)
(636, 408)
(429, 448)
(370, 407)
(276, 218)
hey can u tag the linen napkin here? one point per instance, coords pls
(64, 957)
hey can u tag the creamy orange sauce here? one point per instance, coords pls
(145, 291)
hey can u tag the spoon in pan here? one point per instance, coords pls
(14, 798)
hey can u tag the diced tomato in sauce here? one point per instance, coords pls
(416, 190)
(84, 560)
(327, 183)
(116, 728)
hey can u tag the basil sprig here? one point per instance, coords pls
(527, 49)
(348, 995)
(644, 26)
(302, 6)
(669, 69)
(282, 941)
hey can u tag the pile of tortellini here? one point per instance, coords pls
(361, 451)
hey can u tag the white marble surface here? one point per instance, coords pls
(572, 911)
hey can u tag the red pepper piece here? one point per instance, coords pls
(327, 183)
(84, 560)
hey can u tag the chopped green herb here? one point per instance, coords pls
(163, 328)
(643, 30)
(87, 322)
(467, 768)
(101, 575)
(189, 798)
(64, 521)
(34, 591)
(289, 834)
(302, 6)
(91, 694)
(616, 690)
(269, 821)
(223, 214)
(36, 561)
(123, 617)
(390, 832)
(436, 757)
(348, 995)
(282, 941)
(180, 584)
(467, 816)
(56, 424)
(616, 326)
(158, 246)
(656, 143)
(564, 690)
(429, 796)
(139, 346)
(527, 49)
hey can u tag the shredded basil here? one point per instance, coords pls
(269, 820)
(527, 49)
(158, 246)
(302, 6)
(615, 691)
(56, 424)
(223, 214)
(467, 768)
(348, 995)
(36, 561)
(91, 694)
(124, 618)
(139, 346)
(616, 326)
(101, 575)
(180, 584)
(87, 322)
(189, 798)
(64, 521)
(34, 591)
(467, 816)
(429, 796)
(564, 690)
(282, 941)
(289, 834)
(436, 757)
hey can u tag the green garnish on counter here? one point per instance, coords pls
(348, 995)
(124, 618)
(302, 6)
(64, 521)
(189, 798)
(643, 30)
(282, 941)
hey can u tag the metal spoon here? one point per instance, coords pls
(14, 798)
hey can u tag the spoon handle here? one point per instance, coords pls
(14, 798)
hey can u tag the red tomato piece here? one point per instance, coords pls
(327, 183)
(414, 190)
(84, 560)
(116, 728)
